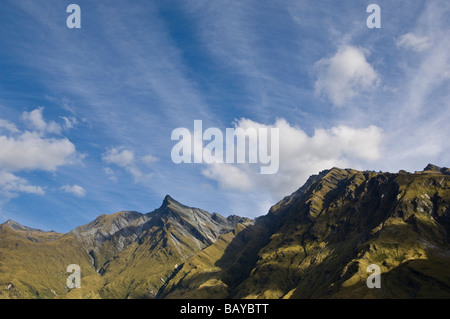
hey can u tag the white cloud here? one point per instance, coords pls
(30, 151)
(118, 156)
(136, 172)
(69, 122)
(75, 190)
(148, 159)
(345, 75)
(8, 126)
(111, 175)
(35, 121)
(359, 143)
(125, 159)
(229, 177)
(300, 156)
(11, 185)
(413, 42)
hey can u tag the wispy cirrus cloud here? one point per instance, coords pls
(147, 66)
(260, 60)
(416, 116)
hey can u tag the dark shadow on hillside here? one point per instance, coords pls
(418, 279)
(241, 254)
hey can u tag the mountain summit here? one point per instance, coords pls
(168, 200)
(16, 226)
(317, 242)
(436, 169)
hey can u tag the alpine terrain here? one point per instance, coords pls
(316, 243)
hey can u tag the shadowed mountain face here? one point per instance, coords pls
(316, 243)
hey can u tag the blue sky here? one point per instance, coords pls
(86, 115)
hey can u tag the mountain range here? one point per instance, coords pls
(315, 243)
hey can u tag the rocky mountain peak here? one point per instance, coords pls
(431, 168)
(170, 201)
(16, 226)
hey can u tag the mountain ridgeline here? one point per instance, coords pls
(316, 243)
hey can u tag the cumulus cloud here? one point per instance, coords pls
(35, 121)
(230, 177)
(345, 75)
(75, 190)
(30, 151)
(413, 42)
(300, 156)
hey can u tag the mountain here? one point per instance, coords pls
(346, 220)
(123, 255)
(33, 263)
(136, 254)
(316, 243)
(322, 238)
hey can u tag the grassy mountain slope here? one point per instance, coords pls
(33, 264)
